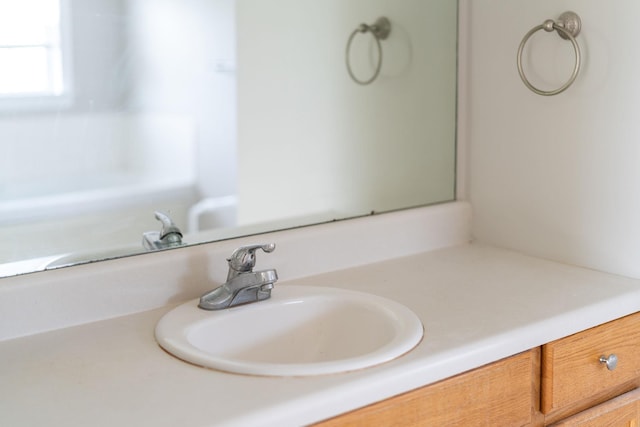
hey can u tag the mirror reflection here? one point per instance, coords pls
(232, 117)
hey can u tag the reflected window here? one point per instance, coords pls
(32, 49)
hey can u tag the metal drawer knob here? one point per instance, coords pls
(611, 361)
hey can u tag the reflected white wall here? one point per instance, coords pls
(98, 54)
(183, 62)
(324, 144)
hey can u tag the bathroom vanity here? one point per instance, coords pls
(510, 336)
(562, 383)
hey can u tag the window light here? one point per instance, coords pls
(31, 51)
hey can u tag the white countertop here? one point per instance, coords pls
(477, 304)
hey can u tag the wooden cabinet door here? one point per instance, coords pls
(623, 411)
(504, 393)
(573, 378)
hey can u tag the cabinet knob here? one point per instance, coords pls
(611, 361)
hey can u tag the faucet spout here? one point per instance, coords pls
(169, 235)
(243, 289)
(243, 285)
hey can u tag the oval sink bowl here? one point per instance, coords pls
(299, 331)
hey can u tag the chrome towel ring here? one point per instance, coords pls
(380, 31)
(568, 27)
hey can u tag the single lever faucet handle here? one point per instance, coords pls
(168, 237)
(168, 226)
(243, 259)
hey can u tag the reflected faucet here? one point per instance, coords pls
(169, 235)
(243, 285)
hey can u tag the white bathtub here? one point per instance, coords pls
(81, 182)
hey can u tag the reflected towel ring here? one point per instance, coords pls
(568, 27)
(380, 31)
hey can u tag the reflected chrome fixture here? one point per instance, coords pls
(568, 27)
(243, 285)
(380, 31)
(169, 235)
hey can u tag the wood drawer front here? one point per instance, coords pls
(572, 372)
(504, 393)
(623, 411)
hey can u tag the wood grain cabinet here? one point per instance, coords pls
(589, 379)
(622, 411)
(575, 372)
(500, 393)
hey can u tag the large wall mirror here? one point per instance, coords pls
(234, 117)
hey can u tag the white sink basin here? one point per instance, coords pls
(299, 331)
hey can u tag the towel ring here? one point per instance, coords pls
(568, 27)
(380, 31)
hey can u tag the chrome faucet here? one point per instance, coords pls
(169, 235)
(243, 285)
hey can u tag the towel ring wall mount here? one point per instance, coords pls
(380, 31)
(568, 26)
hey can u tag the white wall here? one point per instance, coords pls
(296, 101)
(98, 57)
(182, 54)
(556, 177)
